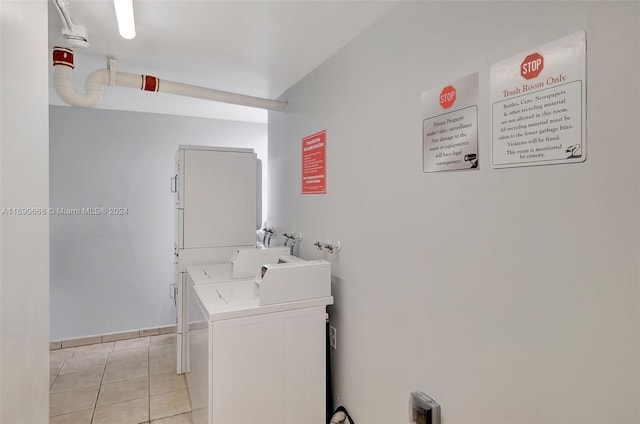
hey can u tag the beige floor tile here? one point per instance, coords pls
(93, 349)
(169, 404)
(130, 412)
(72, 401)
(128, 355)
(162, 351)
(55, 365)
(81, 417)
(77, 380)
(168, 382)
(52, 378)
(132, 343)
(125, 371)
(81, 363)
(176, 419)
(163, 339)
(162, 365)
(123, 391)
(61, 354)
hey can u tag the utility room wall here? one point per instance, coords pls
(111, 273)
(508, 295)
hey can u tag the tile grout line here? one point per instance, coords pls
(149, 380)
(95, 402)
(51, 383)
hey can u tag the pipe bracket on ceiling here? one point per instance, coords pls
(111, 66)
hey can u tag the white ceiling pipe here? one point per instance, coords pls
(220, 96)
(63, 82)
(94, 86)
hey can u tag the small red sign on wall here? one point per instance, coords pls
(314, 161)
(532, 65)
(447, 96)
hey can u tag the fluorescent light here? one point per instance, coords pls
(124, 15)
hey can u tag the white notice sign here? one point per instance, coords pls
(450, 126)
(538, 103)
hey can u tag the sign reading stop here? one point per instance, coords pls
(447, 96)
(531, 66)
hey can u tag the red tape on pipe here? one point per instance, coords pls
(150, 83)
(63, 56)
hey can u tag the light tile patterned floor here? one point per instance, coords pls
(124, 382)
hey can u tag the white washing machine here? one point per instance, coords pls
(257, 348)
(244, 263)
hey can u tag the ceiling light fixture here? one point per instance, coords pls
(124, 15)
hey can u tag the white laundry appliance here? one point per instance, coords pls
(217, 211)
(244, 263)
(257, 353)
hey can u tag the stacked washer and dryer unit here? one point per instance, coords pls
(251, 333)
(218, 209)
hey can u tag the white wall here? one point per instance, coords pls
(510, 296)
(24, 240)
(112, 273)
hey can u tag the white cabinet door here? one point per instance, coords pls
(269, 368)
(219, 198)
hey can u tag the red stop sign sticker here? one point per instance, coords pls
(447, 96)
(531, 66)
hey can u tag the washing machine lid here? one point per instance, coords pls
(247, 261)
(207, 274)
(238, 299)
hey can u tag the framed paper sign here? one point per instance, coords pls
(314, 163)
(538, 105)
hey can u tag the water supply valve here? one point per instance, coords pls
(267, 232)
(331, 247)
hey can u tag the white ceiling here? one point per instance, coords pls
(258, 48)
